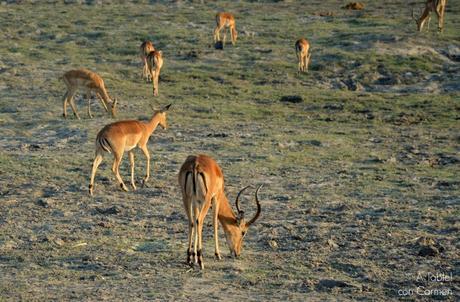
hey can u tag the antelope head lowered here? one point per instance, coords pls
(202, 185)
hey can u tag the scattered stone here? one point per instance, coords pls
(332, 244)
(273, 244)
(444, 160)
(428, 247)
(59, 242)
(217, 135)
(328, 284)
(354, 6)
(263, 50)
(313, 142)
(108, 211)
(453, 52)
(375, 140)
(353, 85)
(333, 106)
(282, 197)
(291, 99)
(44, 202)
(426, 251)
(193, 54)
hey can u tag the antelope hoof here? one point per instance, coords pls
(134, 186)
(218, 256)
(144, 183)
(90, 189)
(123, 187)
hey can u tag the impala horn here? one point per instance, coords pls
(237, 201)
(259, 209)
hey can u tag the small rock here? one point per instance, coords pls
(332, 244)
(327, 284)
(291, 99)
(426, 251)
(46, 203)
(108, 211)
(273, 244)
(59, 242)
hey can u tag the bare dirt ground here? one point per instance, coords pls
(361, 174)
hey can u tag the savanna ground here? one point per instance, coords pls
(361, 176)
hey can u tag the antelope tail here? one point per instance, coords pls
(104, 143)
(198, 179)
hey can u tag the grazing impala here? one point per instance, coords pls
(155, 62)
(145, 49)
(89, 82)
(202, 185)
(225, 20)
(301, 49)
(124, 136)
(437, 6)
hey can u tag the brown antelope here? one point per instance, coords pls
(145, 48)
(301, 49)
(225, 20)
(202, 185)
(124, 136)
(437, 6)
(155, 62)
(88, 81)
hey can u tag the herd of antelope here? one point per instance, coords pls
(200, 178)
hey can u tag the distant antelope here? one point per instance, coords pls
(301, 49)
(124, 136)
(225, 20)
(145, 48)
(155, 62)
(437, 6)
(202, 185)
(88, 81)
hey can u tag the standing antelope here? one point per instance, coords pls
(124, 136)
(202, 184)
(88, 81)
(437, 6)
(145, 48)
(301, 49)
(155, 62)
(225, 20)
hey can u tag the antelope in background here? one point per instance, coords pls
(301, 49)
(202, 185)
(124, 136)
(88, 81)
(225, 20)
(437, 6)
(145, 48)
(154, 63)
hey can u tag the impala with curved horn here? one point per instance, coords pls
(202, 185)
(124, 136)
(437, 6)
